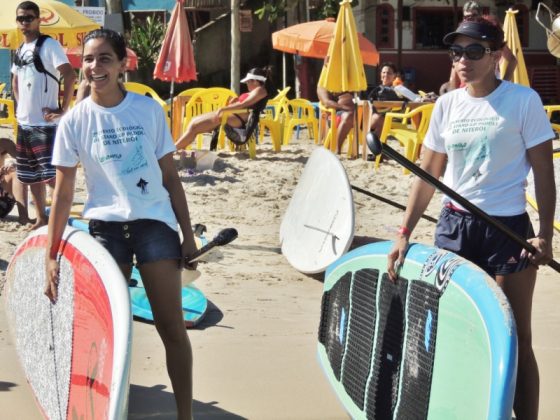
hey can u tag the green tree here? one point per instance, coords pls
(145, 40)
(274, 9)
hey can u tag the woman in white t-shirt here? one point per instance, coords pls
(135, 198)
(486, 137)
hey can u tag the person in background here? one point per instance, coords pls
(344, 105)
(383, 92)
(135, 198)
(484, 139)
(12, 191)
(259, 88)
(38, 110)
(472, 9)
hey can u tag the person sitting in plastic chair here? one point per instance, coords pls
(383, 92)
(344, 105)
(253, 103)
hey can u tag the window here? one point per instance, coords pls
(385, 27)
(431, 25)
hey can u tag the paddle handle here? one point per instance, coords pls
(390, 152)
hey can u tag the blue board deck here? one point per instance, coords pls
(439, 343)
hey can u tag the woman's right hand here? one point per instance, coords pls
(395, 258)
(52, 279)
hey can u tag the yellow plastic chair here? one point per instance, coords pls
(409, 137)
(328, 129)
(550, 109)
(251, 143)
(300, 112)
(2, 87)
(10, 118)
(146, 90)
(202, 102)
(178, 110)
(273, 120)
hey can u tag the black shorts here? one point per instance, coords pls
(472, 238)
(147, 240)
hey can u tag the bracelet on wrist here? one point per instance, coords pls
(403, 230)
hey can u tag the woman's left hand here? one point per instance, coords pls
(188, 248)
(544, 251)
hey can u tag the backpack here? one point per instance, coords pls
(37, 62)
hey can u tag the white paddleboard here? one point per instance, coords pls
(76, 353)
(318, 226)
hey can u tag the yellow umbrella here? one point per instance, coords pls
(514, 44)
(58, 20)
(343, 70)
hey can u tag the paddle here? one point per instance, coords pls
(390, 202)
(224, 237)
(374, 144)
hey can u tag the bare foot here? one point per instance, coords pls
(26, 220)
(39, 223)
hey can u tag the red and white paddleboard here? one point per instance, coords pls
(75, 353)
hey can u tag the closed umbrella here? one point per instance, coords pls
(343, 70)
(176, 58)
(312, 39)
(511, 34)
(58, 20)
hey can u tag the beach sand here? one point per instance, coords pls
(255, 352)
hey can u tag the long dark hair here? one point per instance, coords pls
(115, 39)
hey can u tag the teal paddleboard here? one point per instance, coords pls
(439, 343)
(194, 301)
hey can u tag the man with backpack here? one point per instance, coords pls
(39, 64)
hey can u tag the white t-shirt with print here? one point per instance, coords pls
(119, 149)
(486, 141)
(32, 84)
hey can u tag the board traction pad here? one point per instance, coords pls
(377, 379)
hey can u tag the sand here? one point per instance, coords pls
(255, 353)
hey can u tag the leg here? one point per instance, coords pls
(38, 191)
(162, 281)
(19, 192)
(518, 287)
(377, 123)
(346, 124)
(202, 124)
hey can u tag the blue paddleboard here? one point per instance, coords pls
(195, 303)
(439, 343)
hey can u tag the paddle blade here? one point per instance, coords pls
(373, 143)
(225, 236)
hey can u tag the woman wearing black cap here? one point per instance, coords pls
(484, 138)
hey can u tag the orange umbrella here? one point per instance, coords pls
(312, 39)
(176, 58)
(74, 55)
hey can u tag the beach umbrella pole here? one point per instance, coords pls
(374, 144)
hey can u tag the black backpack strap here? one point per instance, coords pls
(37, 59)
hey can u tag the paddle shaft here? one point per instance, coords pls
(387, 201)
(393, 154)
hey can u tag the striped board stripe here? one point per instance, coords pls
(75, 353)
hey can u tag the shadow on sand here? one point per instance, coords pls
(158, 402)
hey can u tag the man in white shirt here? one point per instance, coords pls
(36, 93)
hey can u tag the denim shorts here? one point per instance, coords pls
(489, 248)
(147, 240)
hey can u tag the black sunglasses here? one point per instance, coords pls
(26, 18)
(472, 52)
